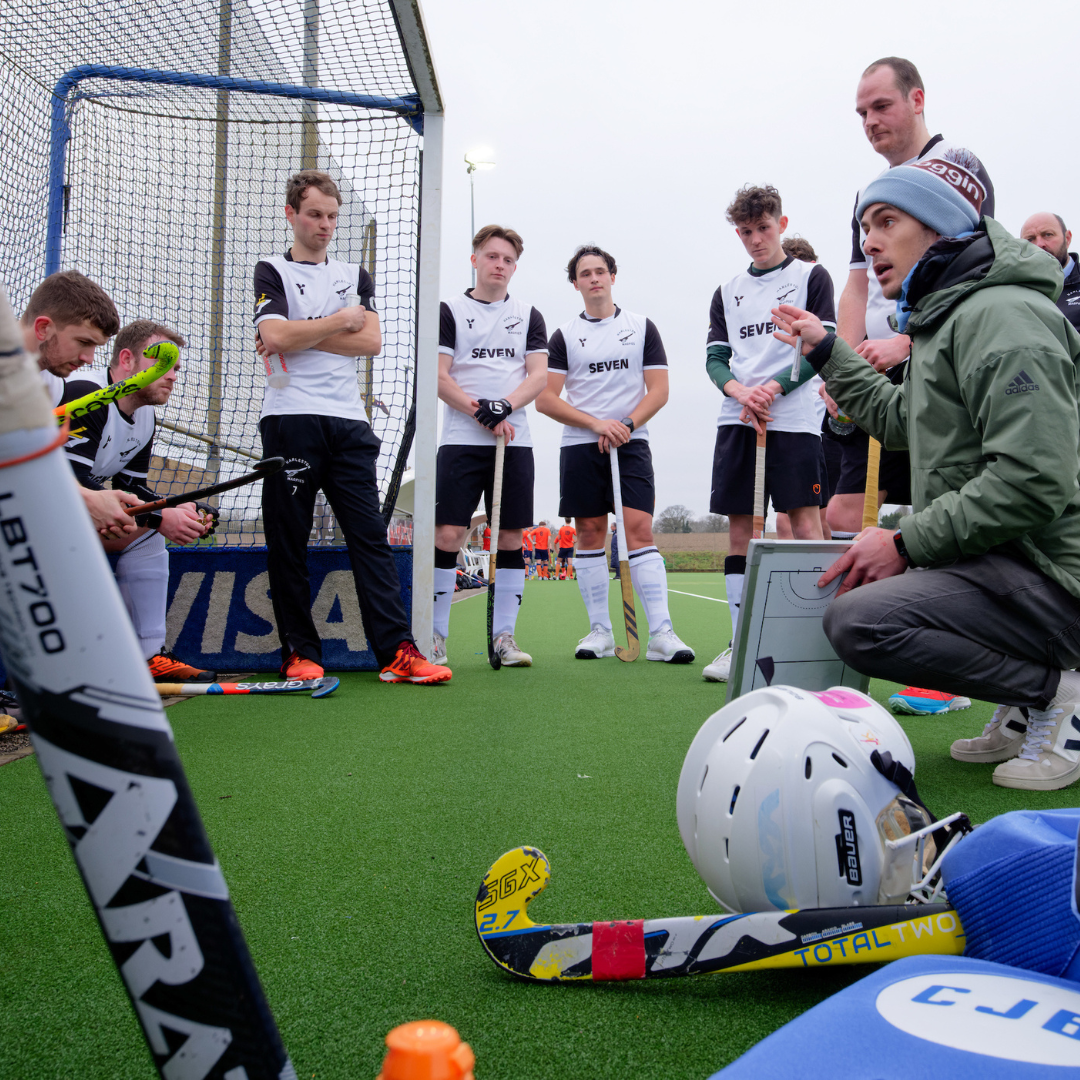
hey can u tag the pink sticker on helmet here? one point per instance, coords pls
(841, 699)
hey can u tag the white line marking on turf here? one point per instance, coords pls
(699, 596)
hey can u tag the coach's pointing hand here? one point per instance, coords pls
(793, 322)
(871, 557)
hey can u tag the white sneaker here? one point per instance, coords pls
(719, 669)
(1001, 738)
(1050, 756)
(508, 652)
(438, 649)
(596, 644)
(664, 645)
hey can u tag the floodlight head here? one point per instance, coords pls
(479, 159)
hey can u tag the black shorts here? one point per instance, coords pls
(894, 474)
(793, 470)
(566, 553)
(540, 555)
(585, 479)
(465, 474)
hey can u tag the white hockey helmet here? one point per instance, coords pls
(780, 806)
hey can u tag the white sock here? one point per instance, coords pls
(734, 584)
(649, 575)
(509, 589)
(142, 572)
(1068, 689)
(592, 579)
(445, 580)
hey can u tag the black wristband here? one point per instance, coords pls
(819, 355)
(150, 520)
(901, 550)
(629, 422)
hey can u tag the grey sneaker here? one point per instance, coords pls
(719, 669)
(666, 646)
(508, 652)
(1050, 756)
(1001, 738)
(438, 649)
(596, 644)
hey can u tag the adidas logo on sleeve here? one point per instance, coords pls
(1022, 384)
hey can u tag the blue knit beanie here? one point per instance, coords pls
(944, 195)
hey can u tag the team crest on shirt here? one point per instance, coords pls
(511, 324)
(783, 297)
(625, 336)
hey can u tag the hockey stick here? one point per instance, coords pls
(692, 945)
(321, 687)
(97, 724)
(870, 496)
(164, 352)
(633, 646)
(496, 512)
(266, 467)
(759, 489)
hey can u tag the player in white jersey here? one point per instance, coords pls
(116, 443)
(752, 369)
(614, 370)
(492, 364)
(890, 101)
(318, 424)
(68, 316)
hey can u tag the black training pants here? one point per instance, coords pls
(337, 456)
(990, 627)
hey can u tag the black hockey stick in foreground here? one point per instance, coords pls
(692, 945)
(266, 467)
(106, 752)
(633, 645)
(493, 555)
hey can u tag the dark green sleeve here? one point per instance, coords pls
(716, 364)
(806, 373)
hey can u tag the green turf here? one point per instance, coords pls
(354, 831)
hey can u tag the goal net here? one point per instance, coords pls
(148, 146)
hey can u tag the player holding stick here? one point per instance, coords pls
(753, 372)
(613, 367)
(492, 363)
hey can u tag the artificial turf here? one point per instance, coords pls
(354, 831)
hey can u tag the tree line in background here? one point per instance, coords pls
(681, 519)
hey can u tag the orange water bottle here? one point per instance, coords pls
(426, 1050)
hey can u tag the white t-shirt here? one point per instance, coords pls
(741, 318)
(322, 383)
(488, 343)
(878, 308)
(54, 387)
(604, 361)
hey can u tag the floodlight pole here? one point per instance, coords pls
(473, 164)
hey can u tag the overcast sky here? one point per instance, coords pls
(631, 124)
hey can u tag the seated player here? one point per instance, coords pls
(752, 369)
(67, 318)
(115, 443)
(613, 367)
(541, 541)
(566, 540)
(492, 363)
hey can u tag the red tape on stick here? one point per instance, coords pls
(618, 950)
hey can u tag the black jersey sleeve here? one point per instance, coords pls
(653, 354)
(270, 296)
(718, 332)
(84, 436)
(557, 352)
(447, 328)
(858, 256)
(819, 296)
(537, 338)
(365, 289)
(133, 477)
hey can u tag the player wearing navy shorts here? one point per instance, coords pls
(319, 425)
(613, 367)
(492, 364)
(752, 369)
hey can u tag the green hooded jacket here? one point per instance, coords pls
(988, 409)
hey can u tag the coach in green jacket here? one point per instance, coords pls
(989, 415)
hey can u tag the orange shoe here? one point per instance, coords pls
(410, 666)
(165, 667)
(298, 667)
